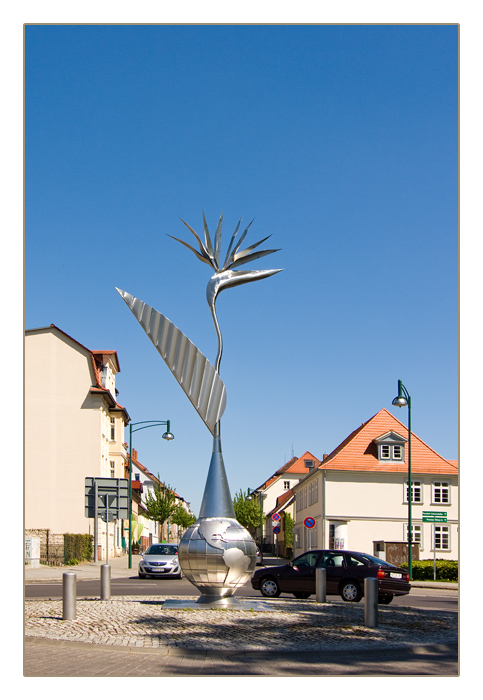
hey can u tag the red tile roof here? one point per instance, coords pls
(358, 452)
(294, 466)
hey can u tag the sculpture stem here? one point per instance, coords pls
(218, 335)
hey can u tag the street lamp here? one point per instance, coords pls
(168, 435)
(261, 496)
(403, 399)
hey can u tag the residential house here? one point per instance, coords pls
(276, 495)
(143, 483)
(74, 428)
(358, 495)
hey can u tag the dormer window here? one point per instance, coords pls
(390, 447)
(309, 463)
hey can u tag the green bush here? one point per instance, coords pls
(77, 547)
(423, 570)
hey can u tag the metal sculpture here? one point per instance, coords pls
(216, 554)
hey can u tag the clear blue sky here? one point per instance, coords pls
(341, 142)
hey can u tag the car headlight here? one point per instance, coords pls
(175, 561)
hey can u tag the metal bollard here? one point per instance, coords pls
(105, 581)
(320, 585)
(69, 593)
(371, 594)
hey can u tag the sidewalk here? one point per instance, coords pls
(85, 571)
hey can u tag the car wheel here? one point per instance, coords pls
(142, 575)
(304, 596)
(385, 598)
(351, 592)
(270, 588)
(180, 576)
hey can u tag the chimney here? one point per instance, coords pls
(324, 457)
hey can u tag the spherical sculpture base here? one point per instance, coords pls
(218, 556)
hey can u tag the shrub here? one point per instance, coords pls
(78, 548)
(423, 570)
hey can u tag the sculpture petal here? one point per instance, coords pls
(196, 376)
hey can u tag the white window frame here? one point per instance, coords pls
(393, 452)
(286, 485)
(417, 486)
(445, 488)
(443, 529)
(113, 428)
(112, 465)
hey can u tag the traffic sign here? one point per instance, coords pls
(276, 530)
(276, 516)
(309, 523)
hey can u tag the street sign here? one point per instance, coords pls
(435, 516)
(107, 496)
(276, 516)
(276, 530)
(309, 523)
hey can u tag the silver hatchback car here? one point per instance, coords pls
(160, 560)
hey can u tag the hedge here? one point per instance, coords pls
(77, 548)
(423, 570)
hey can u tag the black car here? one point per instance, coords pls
(345, 574)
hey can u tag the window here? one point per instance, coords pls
(331, 559)
(113, 469)
(286, 485)
(113, 428)
(441, 492)
(417, 534)
(313, 492)
(390, 447)
(441, 537)
(309, 463)
(299, 502)
(391, 453)
(307, 559)
(417, 489)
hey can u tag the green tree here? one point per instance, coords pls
(247, 512)
(160, 504)
(181, 517)
(288, 530)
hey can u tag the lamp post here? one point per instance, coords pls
(168, 435)
(261, 496)
(403, 399)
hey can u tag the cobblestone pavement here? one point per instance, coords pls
(289, 626)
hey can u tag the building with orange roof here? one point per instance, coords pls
(74, 428)
(358, 495)
(143, 482)
(276, 493)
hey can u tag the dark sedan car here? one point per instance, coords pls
(345, 572)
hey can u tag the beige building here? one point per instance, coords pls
(276, 497)
(358, 495)
(74, 428)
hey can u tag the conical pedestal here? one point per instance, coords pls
(217, 554)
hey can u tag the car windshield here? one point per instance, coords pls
(165, 549)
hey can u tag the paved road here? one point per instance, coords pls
(430, 599)
(74, 659)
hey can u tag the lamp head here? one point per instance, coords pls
(168, 436)
(400, 401)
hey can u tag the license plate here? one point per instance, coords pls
(392, 575)
(157, 568)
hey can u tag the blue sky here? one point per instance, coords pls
(341, 142)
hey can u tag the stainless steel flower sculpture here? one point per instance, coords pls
(216, 553)
(226, 276)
